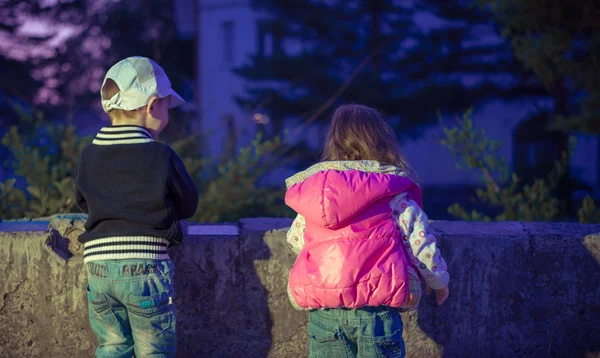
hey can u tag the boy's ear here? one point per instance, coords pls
(151, 104)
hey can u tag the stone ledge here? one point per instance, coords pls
(517, 290)
(24, 226)
(213, 230)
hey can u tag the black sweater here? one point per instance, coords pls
(135, 191)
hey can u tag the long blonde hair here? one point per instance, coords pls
(358, 132)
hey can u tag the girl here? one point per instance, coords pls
(361, 238)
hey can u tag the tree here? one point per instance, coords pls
(81, 39)
(559, 41)
(506, 197)
(376, 53)
(45, 51)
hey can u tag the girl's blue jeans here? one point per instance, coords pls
(131, 307)
(360, 333)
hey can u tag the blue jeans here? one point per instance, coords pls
(131, 307)
(364, 332)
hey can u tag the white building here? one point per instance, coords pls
(228, 34)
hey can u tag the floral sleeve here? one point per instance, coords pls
(295, 235)
(419, 243)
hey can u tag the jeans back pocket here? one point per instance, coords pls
(101, 313)
(325, 342)
(389, 346)
(151, 314)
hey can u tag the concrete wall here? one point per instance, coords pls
(517, 290)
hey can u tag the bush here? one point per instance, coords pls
(46, 159)
(45, 156)
(588, 213)
(228, 191)
(13, 201)
(507, 193)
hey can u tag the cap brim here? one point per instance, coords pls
(176, 99)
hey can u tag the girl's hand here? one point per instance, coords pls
(440, 295)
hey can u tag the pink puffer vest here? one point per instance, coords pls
(352, 256)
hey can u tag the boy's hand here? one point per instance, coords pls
(440, 295)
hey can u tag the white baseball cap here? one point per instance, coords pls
(139, 78)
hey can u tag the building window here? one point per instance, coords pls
(228, 39)
(269, 43)
(536, 148)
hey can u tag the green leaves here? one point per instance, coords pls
(12, 200)
(515, 200)
(48, 171)
(588, 213)
(473, 148)
(45, 156)
(232, 192)
(559, 42)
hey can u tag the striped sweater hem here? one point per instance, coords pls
(125, 247)
(123, 134)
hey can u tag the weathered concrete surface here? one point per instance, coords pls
(231, 298)
(517, 290)
(43, 306)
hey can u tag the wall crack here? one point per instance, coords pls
(7, 294)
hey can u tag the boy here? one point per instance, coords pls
(135, 191)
